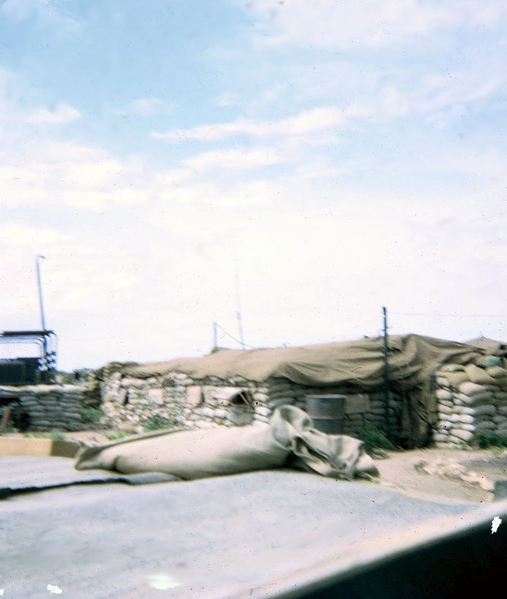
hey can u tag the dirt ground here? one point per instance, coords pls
(442, 474)
(445, 474)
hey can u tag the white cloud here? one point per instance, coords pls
(234, 159)
(82, 272)
(45, 10)
(438, 99)
(306, 122)
(171, 177)
(308, 249)
(49, 173)
(144, 107)
(353, 24)
(61, 115)
(228, 99)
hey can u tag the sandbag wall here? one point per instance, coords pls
(364, 411)
(49, 407)
(472, 402)
(175, 399)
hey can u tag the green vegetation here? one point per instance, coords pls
(117, 435)
(90, 415)
(156, 423)
(375, 439)
(54, 435)
(490, 439)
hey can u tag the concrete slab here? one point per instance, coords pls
(29, 446)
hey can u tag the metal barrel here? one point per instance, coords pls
(327, 412)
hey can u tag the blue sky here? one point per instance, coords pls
(312, 161)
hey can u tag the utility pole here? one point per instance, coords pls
(387, 424)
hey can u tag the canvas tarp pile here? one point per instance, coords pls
(194, 454)
(360, 364)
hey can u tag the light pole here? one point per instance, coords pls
(43, 320)
(39, 284)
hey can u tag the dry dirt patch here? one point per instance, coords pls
(446, 474)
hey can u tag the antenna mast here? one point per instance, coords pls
(238, 310)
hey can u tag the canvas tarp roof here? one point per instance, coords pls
(360, 363)
(412, 361)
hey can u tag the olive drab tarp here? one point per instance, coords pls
(412, 361)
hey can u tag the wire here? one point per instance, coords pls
(450, 315)
(234, 338)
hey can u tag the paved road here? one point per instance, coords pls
(247, 535)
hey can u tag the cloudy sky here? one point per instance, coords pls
(305, 161)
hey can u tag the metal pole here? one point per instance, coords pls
(215, 335)
(238, 313)
(386, 377)
(43, 319)
(39, 284)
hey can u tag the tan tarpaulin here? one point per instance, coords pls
(193, 454)
(361, 363)
(412, 361)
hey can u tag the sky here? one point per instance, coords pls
(299, 163)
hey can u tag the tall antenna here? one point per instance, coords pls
(238, 310)
(215, 335)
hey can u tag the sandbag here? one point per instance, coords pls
(472, 389)
(192, 454)
(478, 375)
(456, 378)
(497, 372)
(489, 361)
(462, 435)
(474, 400)
(451, 368)
(484, 410)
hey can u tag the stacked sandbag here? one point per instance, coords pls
(280, 391)
(369, 416)
(46, 407)
(375, 417)
(472, 402)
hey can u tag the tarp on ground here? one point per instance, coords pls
(360, 364)
(193, 454)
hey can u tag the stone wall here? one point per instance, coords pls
(472, 402)
(48, 406)
(138, 405)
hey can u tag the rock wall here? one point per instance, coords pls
(138, 405)
(472, 402)
(48, 406)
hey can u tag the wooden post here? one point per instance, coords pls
(5, 418)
